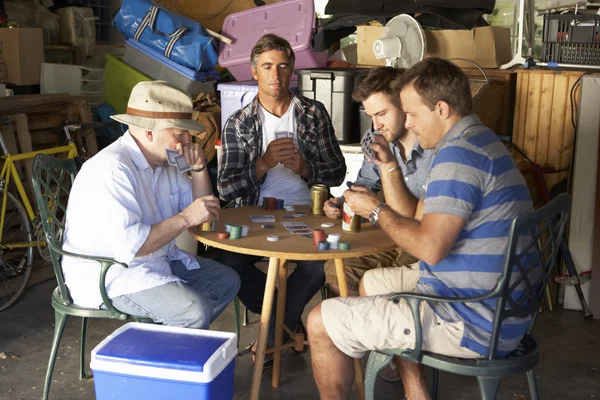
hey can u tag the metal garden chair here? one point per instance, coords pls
(545, 228)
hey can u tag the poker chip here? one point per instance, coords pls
(222, 235)
(300, 214)
(272, 238)
(323, 245)
(289, 207)
(344, 245)
(288, 216)
(307, 236)
(327, 224)
(268, 226)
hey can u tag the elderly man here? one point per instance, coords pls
(279, 145)
(459, 233)
(129, 204)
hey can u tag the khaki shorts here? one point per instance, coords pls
(360, 324)
(356, 267)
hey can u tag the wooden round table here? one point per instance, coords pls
(370, 240)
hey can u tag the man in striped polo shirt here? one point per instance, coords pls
(459, 232)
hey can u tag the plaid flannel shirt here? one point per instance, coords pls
(241, 143)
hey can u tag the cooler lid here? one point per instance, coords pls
(165, 352)
(294, 20)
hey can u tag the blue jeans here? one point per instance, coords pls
(192, 304)
(306, 280)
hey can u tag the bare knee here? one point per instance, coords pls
(314, 324)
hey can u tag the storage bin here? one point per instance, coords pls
(152, 362)
(235, 95)
(159, 67)
(333, 87)
(354, 157)
(294, 20)
(73, 79)
(571, 39)
(120, 78)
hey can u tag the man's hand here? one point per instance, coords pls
(331, 211)
(279, 151)
(297, 164)
(382, 152)
(193, 154)
(203, 209)
(361, 200)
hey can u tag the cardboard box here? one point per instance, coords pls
(21, 55)
(487, 46)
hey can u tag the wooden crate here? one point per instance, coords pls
(542, 119)
(36, 122)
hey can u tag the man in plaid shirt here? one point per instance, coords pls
(277, 146)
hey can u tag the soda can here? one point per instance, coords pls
(318, 196)
(350, 221)
(209, 226)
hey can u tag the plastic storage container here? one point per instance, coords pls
(235, 95)
(333, 87)
(159, 67)
(571, 39)
(294, 20)
(152, 362)
(120, 78)
(354, 157)
(73, 79)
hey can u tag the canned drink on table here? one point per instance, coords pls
(350, 221)
(209, 226)
(318, 196)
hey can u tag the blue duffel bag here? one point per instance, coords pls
(178, 38)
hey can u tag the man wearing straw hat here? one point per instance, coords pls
(129, 204)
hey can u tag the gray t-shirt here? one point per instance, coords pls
(415, 170)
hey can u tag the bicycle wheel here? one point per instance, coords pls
(15, 263)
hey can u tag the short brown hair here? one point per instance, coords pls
(271, 42)
(380, 80)
(437, 80)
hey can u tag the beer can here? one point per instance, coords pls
(209, 226)
(318, 196)
(351, 221)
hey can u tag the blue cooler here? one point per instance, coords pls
(145, 361)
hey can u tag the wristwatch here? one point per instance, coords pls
(374, 215)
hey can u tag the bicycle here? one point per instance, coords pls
(20, 226)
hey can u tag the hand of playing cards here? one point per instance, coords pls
(366, 142)
(177, 160)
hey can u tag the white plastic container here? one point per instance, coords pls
(73, 79)
(354, 157)
(294, 20)
(152, 362)
(235, 95)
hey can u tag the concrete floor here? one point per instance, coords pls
(569, 369)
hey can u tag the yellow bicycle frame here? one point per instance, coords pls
(9, 170)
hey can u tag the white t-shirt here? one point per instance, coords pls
(281, 182)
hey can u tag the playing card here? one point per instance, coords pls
(171, 155)
(366, 142)
(182, 165)
(281, 134)
(262, 218)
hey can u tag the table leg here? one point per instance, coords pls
(343, 284)
(279, 317)
(263, 329)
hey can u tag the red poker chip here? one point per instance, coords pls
(223, 235)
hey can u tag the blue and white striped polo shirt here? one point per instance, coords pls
(474, 177)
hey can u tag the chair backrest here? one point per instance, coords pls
(52, 181)
(533, 246)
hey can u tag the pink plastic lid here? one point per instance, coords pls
(293, 20)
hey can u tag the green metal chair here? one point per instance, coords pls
(52, 181)
(545, 228)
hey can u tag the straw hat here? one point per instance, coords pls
(156, 105)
